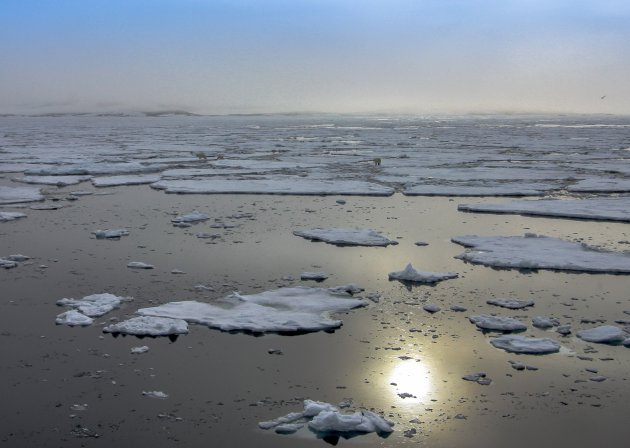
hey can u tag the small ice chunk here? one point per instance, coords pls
(544, 322)
(522, 344)
(59, 181)
(114, 181)
(7, 264)
(412, 275)
(312, 408)
(139, 350)
(110, 233)
(431, 308)
(458, 308)
(317, 276)
(155, 394)
(421, 243)
(73, 318)
(478, 377)
(94, 305)
(149, 326)
(513, 304)
(350, 288)
(14, 195)
(564, 329)
(497, 323)
(195, 216)
(11, 216)
(345, 237)
(288, 428)
(18, 257)
(605, 334)
(139, 265)
(363, 422)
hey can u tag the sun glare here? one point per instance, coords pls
(412, 380)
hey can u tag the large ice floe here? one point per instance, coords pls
(285, 310)
(605, 209)
(497, 323)
(540, 252)
(149, 326)
(11, 216)
(409, 274)
(93, 168)
(94, 305)
(605, 334)
(15, 195)
(326, 420)
(345, 237)
(114, 181)
(525, 345)
(277, 185)
(600, 185)
(59, 181)
(503, 189)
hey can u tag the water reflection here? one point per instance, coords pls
(412, 381)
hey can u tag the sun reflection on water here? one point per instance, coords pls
(412, 381)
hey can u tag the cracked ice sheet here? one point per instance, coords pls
(285, 310)
(276, 185)
(604, 209)
(113, 181)
(540, 252)
(60, 181)
(347, 237)
(14, 195)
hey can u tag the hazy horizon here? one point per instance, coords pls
(315, 56)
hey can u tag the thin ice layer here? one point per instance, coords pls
(298, 309)
(540, 252)
(345, 237)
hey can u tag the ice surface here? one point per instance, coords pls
(94, 305)
(605, 334)
(497, 323)
(600, 185)
(14, 195)
(113, 181)
(298, 309)
(195, 216)
(513, 304)
(540, 252)
(505, 189)
(275, 185)
(149, 326)
(7, 264)
(345, 237)
(73, 318)
(11, 216)
(412, 275)
(317, 276)
(110, 233)
(93, 168)
(60, 181)
(544, 322)
(139, 350)
(525, 345)
(155, 394)
(139, 265)
(605, 209)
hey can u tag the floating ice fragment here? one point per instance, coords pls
(73, 318)
(350, 288)
(288, 428)
(605, 334)
(94, 305)
(110, 233)
(345, 237)
(155, 394)
(544, 322)
(564, 329)
(14, 195)
(139, 265)
(149, 326)
(139, 350)
(316, 276)
(512, 304)
(497, 323)
(601, 186)
(431, 308)
(360, 422)
(59, 181)
(522, 344)
(458, 308)
(11, 216)
(195, 216)
(18, 257)
(93, 168)
(113, 181)
(7, 264)
(412, 275)
(478, 377)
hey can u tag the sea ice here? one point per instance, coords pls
(605, 209)
(540, 252)
(544, 322)
(345, 237)
(94, 305)
(139, 265)
(113, 181)
(503, 189)
(14, 195)
(298, 309)
(73, 318)
(7, 264)
(599, 185)
(110, 233)
(10, 216)
(93, 168)
(605, 334)
(497, 323)
(513, 304)
(155, 394)
(525, 345)
(59, 181)
(139, 350)
(317, 276)
(410, 274)
(431, 308)
(195, 216)
(149, 326)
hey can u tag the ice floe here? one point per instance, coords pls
(513, 304)
(276, 185)
(15, 195)
(139, 350)
(11, 216)
(93, 168)
(540, 252)
(155, 394)
(139, 265)
(410, 274)
(316, 276)
(110, 233)
(497, 323)
(149, 326)
(192, 217)
(94, 305)
(544, 322)
(59, 181)
(345, 237)
(73, 318)
(114, 181)
(600, 185)
(605, 209)
(605, 334)
(285, 310)
(7, 264)
(504, 189)
(525, 345)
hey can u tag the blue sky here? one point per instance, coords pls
(220, 56)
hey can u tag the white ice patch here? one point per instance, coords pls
(345, 237)
(605, 209)
(540, 252)
(149, 326)
(139, 350)
(525, 345)
(110, 233)
(59, 181)
(195, 216)
(605, 334)
(410, 274)
(513, 304)
(73, 318)
(11, 216)
(113, 181)
(94, 305)
(14, 195)
(276, 185)
(155, 394)
(497, 323)
(139, 265)
(289, 310)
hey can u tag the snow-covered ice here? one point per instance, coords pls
(139, 265)
(513, 304)
(289, 310)
(149, 326)
(540, 252)
(604, 334)
(525, 345)
(110, 233)
(605, 209)
(11, 216)
(345, 237)
(73, 318)
(113, 181)
(94, 305)
(410, 274)
(15, 195)
(194, 216)
(497, 323)
(59, 181)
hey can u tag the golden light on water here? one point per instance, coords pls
(410, 377)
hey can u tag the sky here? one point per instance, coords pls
(340, 56)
